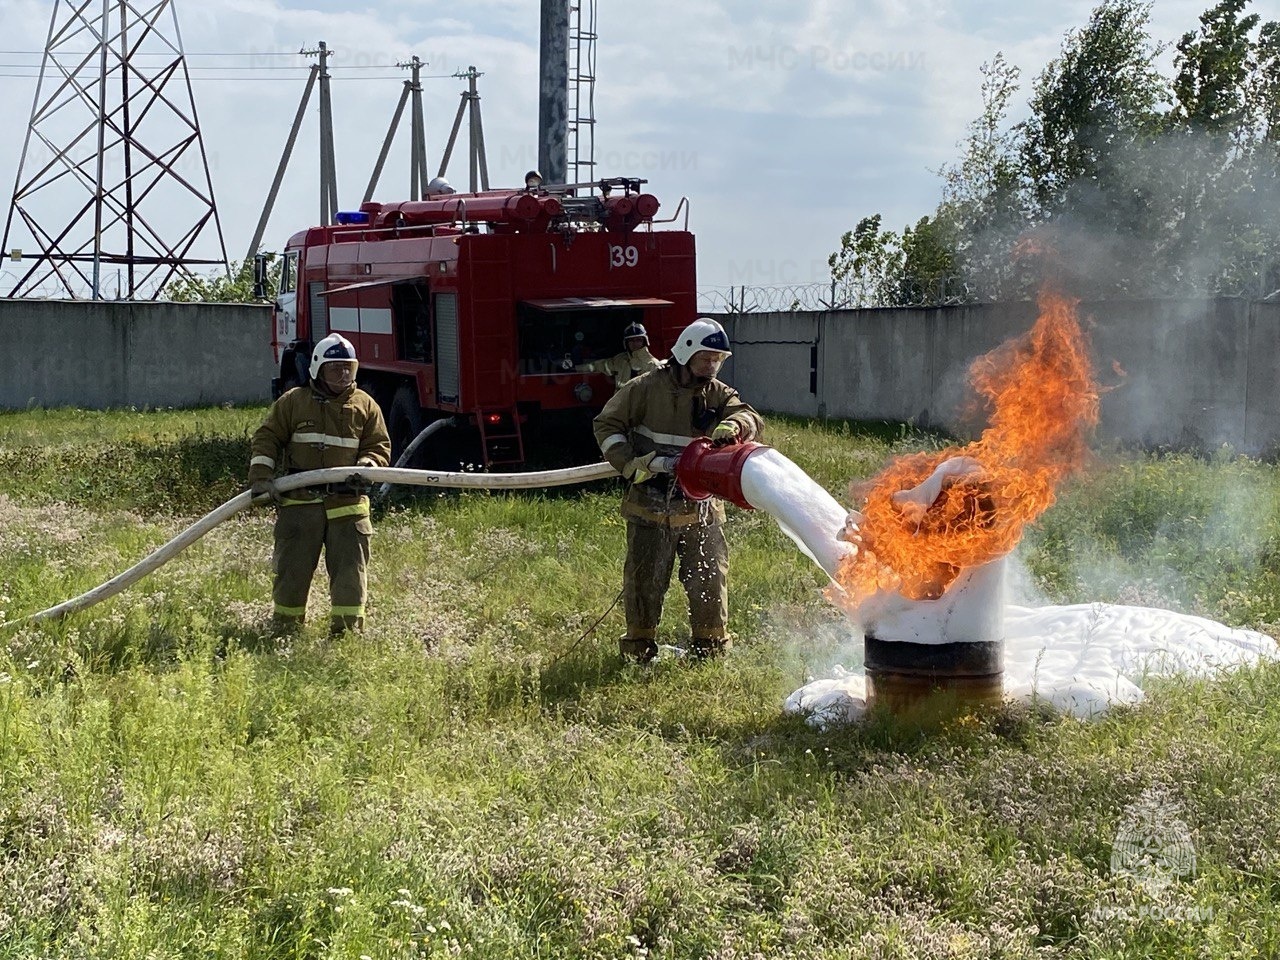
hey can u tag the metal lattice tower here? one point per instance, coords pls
(113, 172)
(581, 121)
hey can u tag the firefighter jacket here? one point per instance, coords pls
(623, 366)
(654, 413)
(307, 429)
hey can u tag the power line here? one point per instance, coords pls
(265, 53)
(200, 79)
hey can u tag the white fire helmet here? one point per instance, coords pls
(703, 334)
(333, 347)
(438, 186)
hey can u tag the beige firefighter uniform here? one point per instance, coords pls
(307, 429)
(622, 366)
(656, 414)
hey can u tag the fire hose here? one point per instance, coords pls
(417, 478)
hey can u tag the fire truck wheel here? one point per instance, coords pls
(404, 422)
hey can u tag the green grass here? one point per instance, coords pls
(478, 776)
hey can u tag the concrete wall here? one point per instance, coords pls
(1195, 373)
(114, 354)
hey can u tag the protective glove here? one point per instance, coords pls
(726, 432)
(355, 485)
(640, 469)
(263, 493)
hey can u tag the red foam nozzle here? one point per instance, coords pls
(704, 470)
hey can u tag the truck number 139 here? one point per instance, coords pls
(620, 256)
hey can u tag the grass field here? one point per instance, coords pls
(477, 776)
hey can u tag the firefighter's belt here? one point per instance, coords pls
(689, 516)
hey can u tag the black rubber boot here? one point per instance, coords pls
(637, 651)
(341, 624)
(709, 648)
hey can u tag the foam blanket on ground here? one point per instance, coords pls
(1082, 658)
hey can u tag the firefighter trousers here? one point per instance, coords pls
(302, 530)
(704, 574)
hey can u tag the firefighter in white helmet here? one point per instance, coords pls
(641, 431)
(330, 422)
(634, 359)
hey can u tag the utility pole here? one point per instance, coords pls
(469, 107)
(411, 94)
(328, 163)
(328, 174)
(553, 91)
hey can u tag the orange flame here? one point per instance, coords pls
(1044, 402)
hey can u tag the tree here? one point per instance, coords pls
(984, 206)
(868, 265)
(930, 274)
(1146, 186)
(1210, 91)
(233, 287)
(1098, 97)
(1225, 103)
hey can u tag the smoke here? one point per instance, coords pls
(1178, 532)
(1183, 213)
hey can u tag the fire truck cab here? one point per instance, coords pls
(478, 306)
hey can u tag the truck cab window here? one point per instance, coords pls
(289, 273)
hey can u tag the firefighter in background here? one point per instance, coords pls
(634, 360)
(641, 431)
(328, 423)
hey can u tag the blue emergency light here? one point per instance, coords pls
(348, 217)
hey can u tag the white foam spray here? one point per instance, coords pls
(1080, 658)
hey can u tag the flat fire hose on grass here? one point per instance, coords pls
(311, 478)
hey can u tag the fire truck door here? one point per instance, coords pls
(286, 302)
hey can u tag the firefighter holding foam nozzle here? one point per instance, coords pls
(634, 359)
(328, 423)
(641, 431)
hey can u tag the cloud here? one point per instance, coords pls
(783, 124)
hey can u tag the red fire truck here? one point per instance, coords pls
(478, 306)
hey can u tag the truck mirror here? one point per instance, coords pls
(260, 276)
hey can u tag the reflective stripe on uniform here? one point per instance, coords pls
(262, 462)
(337, 611)
(325, 439)
(612, 441)
(664, 439)
(282, 611)
(354, 510)
(290, 502)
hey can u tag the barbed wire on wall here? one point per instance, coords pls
(909, 292)
(53, 289)
(952, 290)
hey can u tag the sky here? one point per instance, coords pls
(783, 124)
